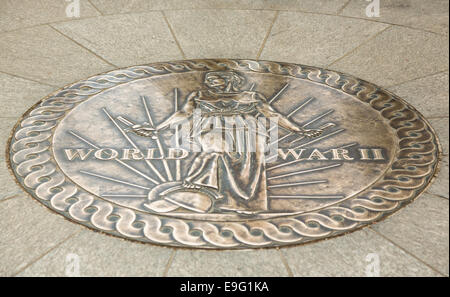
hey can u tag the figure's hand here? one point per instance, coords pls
(311, 132)
(144, 130)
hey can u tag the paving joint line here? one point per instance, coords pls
(285, 263)
(437, 195)
(249, 9)
(290, 10)
(359, 46)
(17, 195)
(169, 262)
(14, 117)
(416, 78)
(82, 46)
(47, 252)
(275, 17)
(437, 117)
(406, 251)
(173, 34)
(29, 79)
(341, 10)
(95, 7)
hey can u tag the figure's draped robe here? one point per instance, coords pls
(232, 159)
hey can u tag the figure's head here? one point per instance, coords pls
(224, 81)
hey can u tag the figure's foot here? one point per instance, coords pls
(189, 185)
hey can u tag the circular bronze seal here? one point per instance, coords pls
(223, 153)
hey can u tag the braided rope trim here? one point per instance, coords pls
(413, 167)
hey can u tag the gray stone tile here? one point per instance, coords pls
(351, 255)
(323, 6)
(266, 262)
(18, 95)
(316, 40)
(397, 55)
(440, 125)
(121, 6)
(220, 33)
(44, 55)
(439, 186)
(8, 185)
(428, 95)
(125, 6)
(427, 238)
(26, 13)
(125, 40)
(101, 255)
(427, 15)
(29, 230)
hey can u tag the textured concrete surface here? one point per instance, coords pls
(151, 39)
(239, 34)
(100, 254)
(405, 49)
(440, 125)
(314, 39)
(34, 52)
(427, 94)
(425, 15)
(350, 255)
(427, 239)
(396, 55)
(264, 262)
(28, 233)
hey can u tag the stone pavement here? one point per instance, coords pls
(405, 50)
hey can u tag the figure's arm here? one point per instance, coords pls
(283, 121)
(181, 115)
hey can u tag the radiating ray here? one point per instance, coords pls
(311, 182)
(305, 171)
(307, 101)
(319, 138)
(310, 122)
(308, 197)
(117, 160)
(252, 87)
(177, 132)
(134, 145)
(323, 127)
(299, 160)
(84, 140)
(114, 180)
(275, 97)
(124, 195)
(158, 141)
(301, 106)
(318, 117)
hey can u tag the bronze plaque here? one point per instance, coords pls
(223, 153)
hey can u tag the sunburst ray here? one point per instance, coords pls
(303, 183)
(124, 134)
(158, 141)
(114, 180)
(305, 171)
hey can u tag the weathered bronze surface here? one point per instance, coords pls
(223, 153)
